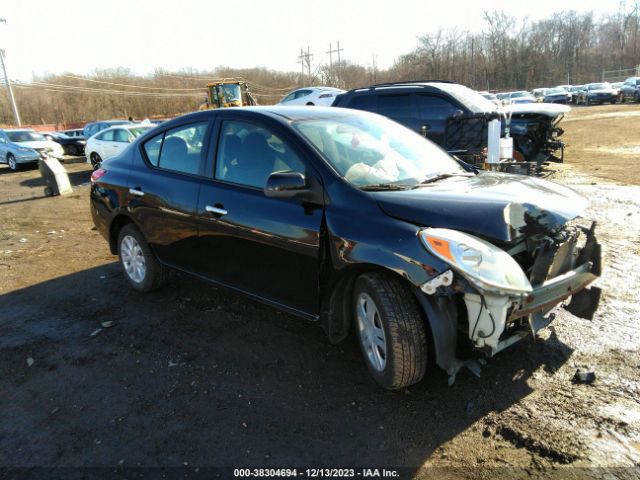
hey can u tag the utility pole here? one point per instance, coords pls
(301, 60)
(305, 58)
(12, 99)
(338, 70)
(373, 64)
(330, 52)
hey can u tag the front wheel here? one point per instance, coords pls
(11, 160)
(390, 330)
(140, 266)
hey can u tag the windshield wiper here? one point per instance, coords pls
(442, 176)
(383, 186)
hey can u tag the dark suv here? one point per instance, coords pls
(455, 117)
(352, 220)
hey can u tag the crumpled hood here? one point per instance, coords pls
(495, 206)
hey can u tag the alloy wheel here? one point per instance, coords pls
(11, 160)
(133, 259)
(371, 332)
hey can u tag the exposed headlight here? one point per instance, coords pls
(482, 264)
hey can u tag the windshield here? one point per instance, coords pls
(598, 86)
(519, 94)
(137, 131)
(552, 91)
(25, 136)
(367, 149)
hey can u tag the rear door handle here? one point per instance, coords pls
(215, 210)
(137, 192)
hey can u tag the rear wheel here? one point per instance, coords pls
(140, 266)
(95, 160)
(390, 330)
(11, 161)
(310, 104)
(636, 97)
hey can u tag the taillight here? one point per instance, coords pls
(97, 174)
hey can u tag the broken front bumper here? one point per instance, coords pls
(492, 316)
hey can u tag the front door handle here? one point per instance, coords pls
(136, 191)
(215, 210)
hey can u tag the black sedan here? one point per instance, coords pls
(73, 146)
(350, 219)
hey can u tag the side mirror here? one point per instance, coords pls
(285, 185)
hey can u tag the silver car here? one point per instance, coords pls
(14, 154)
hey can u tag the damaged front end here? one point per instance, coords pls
(536, 134)
(509, 291)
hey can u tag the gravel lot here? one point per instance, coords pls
(196, 376)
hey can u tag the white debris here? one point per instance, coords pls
(23, 240)
(95, 332)
(107, 324)
(29, 361)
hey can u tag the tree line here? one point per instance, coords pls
(507, 54)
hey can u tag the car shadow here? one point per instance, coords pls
(96, 374)
(75, 178)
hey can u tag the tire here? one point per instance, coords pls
(636, 97)
(95, 160)
(390, 330)
(11, 161)
(587, 101)
(309, 104)
(48, 191)
(140, 266)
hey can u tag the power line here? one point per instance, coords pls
(102, 90)
(129, 85)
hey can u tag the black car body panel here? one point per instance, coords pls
(302, 254)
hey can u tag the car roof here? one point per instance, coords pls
(128, 126)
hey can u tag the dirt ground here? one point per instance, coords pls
(193, 376)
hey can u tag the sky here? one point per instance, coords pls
(51, 36)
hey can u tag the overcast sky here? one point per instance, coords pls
(50, 36)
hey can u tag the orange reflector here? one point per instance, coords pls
(441, 247)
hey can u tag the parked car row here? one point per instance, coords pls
(595, 93)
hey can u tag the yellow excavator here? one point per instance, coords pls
(228, 92)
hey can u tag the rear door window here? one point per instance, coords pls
(434, 107)
(106, 136)
(182, 148)
(179, 149)
(396, 106)
(363, 102)
(120, 135)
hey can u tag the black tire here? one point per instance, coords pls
(398, 315)
(48, 191)
(11, 161)
(95, 160)
(310, 104)
(636, 97)
(587, 101)
(156, 275)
